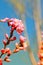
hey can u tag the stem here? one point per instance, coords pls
(8, 41)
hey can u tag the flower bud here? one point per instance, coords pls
(12, 38)
(8, 60)
(4, 42)
(3, 51)
(7, 50)
(22, 39)
(17, 46)
(16, 50)
(6, 57)
(21, 48)
(7, 37)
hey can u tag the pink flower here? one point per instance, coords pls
(20, 27)
(22, 39)
(11, 23)
(5, 19)
(16, 24)
(23, 43)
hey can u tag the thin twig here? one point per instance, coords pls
(8, 41)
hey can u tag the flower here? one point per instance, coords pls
(22, 38)
(11, 23)
(16, 24)
(20, 27)
(23, 47)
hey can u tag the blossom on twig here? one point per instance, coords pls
(15, 24)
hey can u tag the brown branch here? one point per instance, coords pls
(8, 41)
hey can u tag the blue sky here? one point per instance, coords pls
(22, 58)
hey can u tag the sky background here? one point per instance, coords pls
(7, 10)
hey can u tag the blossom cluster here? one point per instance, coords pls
(14, 24)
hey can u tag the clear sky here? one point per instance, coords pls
(21, 58)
